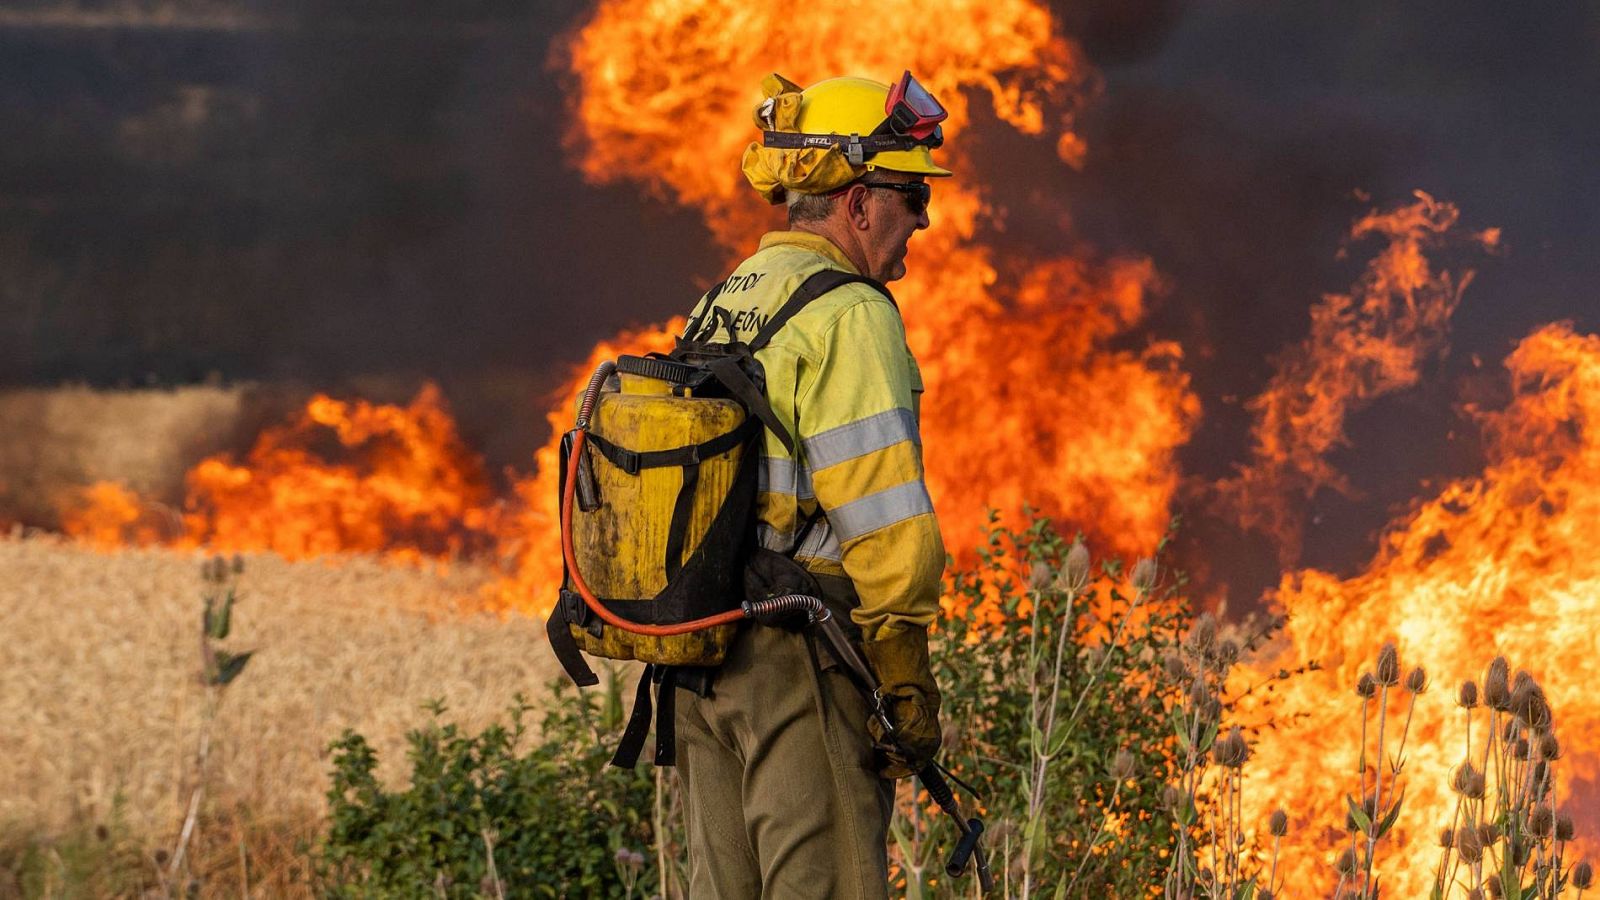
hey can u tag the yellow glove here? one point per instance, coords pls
(900, 660)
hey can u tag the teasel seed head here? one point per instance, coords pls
(1582, 875)
(1528, 702)
(1520, 748)
(1564, 829)
(1475, 894)
(1175, 667)
(1074, 576)
(1124, 766)
(1495, 890)
(1366, 686)
(1346, 863)
(1462, 780)
(1549, 747)
(1468, 696)
(1265, 894)
(1447, 838)
(1227, 654)
(1278, 823)
(1417, 680)
(1144, 575)
(1232, 751)
(1039, 576)
(1203, 635)
(1469, 844)
(1389, 666)
(1497, 685)
(1488, 833)
(1541, 822)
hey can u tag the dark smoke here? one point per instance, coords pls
(325, 191)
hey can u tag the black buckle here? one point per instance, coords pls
(627, 460)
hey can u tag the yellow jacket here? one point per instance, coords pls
(842, 380)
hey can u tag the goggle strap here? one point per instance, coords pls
(857, 148)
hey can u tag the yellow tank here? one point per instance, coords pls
(621, 546)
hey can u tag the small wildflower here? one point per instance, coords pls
(1388, 666)
(1417, 680)
(1468, 697)
(1366, 686)
(1278, 823)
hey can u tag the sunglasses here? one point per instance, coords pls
(917, 193)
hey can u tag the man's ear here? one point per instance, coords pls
(856, 206)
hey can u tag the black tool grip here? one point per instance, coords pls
(960, 856)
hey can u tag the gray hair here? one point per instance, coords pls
(816, 207)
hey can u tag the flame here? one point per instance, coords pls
(1363, 345)
(1015, 355)
(107, 515)
(400, 481)
(1501, 563)
(343, 476)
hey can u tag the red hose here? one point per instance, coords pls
(606, 615)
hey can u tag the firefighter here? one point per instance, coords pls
(787, 792)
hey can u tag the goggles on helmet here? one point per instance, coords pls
(911, 119)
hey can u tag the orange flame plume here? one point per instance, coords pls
(1363, 345)
(1501, 563)
(401, 482)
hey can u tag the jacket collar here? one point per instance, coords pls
(816, 243)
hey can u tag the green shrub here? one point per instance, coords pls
(1056, 713)
(483, 816)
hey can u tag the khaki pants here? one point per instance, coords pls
(779, 790)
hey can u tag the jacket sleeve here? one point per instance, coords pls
(860, 442)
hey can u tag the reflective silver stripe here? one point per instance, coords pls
(836, 445)
(783, 476)
(819, 544)
(880, 510)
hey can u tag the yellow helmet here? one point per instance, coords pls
(820, 138)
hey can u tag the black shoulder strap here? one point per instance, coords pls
(815, 286)
(698, 316)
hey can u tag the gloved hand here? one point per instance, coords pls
(900, 660)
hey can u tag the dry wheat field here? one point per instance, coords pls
(100, 698)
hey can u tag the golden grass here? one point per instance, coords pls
(99, 694)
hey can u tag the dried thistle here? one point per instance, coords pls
(1497, 685)
(1144, 575)
(1417, 680)
(1366, 686)
(1469, 844)
(1388, 666)
(1039, 576)
(1541, 822)
(1074, 576)
(1124, 766)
